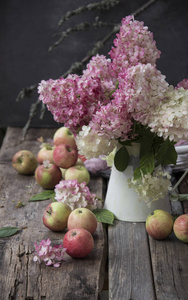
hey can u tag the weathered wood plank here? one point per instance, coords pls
(170, 265)
(20, 277)
(130, 274)
(170, 268)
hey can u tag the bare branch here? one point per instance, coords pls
(103, 5)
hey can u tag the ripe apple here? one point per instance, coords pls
(181, 228)
(45, 153)
(63, 172)
(78, 172)
(24, 162)
(78, 242)
(64, 136)
(48, 175)
(56, 215)
(159, 224)
(64, 156)
(82, 218)
(79, 162)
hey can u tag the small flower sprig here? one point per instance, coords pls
(51, 255)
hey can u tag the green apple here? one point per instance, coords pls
(45, 153)
(24, 162)
(78, 172)
(181, 228)
(82, 218)
(159, 224)
(48, 175)
(56, 215)
(64, 136)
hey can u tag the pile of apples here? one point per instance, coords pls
(53, 163)
(160, 224)
(81, 224)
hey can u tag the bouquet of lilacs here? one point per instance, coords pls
(120, 100)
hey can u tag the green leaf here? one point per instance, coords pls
(49, 194)
(8, 231)
(147, 165)
(121, 159)
(146, 143)
(104, 215)
(167, 153)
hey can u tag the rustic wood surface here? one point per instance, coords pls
(20, 277)
(141, 268)
(130, 274)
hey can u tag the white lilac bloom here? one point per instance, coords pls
(152, 187)
(92, 145)
(170, 118)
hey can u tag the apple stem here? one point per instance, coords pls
(49, 212)
(74, 233)
(80, 212)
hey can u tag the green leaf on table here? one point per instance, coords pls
(8, 231)
(104, 215)
(48, 194)
(121, 159)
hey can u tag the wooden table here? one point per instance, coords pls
(125, 263)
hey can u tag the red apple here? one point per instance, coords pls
(181, 228)
(82, 218)
(78, 172)
(24, 162)
(56, 215)
(48, 175)
(45, 153)
(78, 242)
(64, 136)
(64, 156)
(159, 224)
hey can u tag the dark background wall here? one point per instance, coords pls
(26, 32)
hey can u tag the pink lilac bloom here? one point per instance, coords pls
(134, 44)
(73, 100)
(100, 66)
(75, 194)
(183, 83)
(143, 87)
(51, 255)
(113, 120)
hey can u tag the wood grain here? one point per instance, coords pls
(170, 268)
(20, 277)
(130, 274)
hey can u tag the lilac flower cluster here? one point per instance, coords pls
(75, 194)
(134, 44)
(51, 255)
(114, 92)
